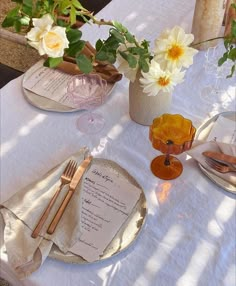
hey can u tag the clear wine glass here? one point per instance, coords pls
(211, 67)
(88, 91)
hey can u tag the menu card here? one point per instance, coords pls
(49, 83)
(107, 201)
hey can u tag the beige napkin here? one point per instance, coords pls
(22, 212)
(201, 146)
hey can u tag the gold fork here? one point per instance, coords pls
(66, 178)
(219, 167)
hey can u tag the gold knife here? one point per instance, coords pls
(220, 157)
(74, 183)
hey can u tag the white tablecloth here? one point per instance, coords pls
(189, 236)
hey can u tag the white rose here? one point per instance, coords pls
(48, 40)
(54, 42)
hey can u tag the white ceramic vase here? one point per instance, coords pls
(143, 108)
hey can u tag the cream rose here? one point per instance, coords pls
(47, 39)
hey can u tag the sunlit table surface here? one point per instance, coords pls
(189, 235)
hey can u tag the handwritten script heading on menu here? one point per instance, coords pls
(107, 201)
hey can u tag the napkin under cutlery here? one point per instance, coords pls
(218, 136)
(200, 146)
(22, 211)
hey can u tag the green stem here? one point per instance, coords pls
(209, 40)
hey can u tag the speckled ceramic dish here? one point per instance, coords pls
(129, 230)
(46, 103)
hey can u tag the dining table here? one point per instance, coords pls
(189, 234)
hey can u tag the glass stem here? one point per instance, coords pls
(167, 159)
(91, 118)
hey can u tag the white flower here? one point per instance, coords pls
(157, 79)
(171, 49)
(123, 66)
(47, 40)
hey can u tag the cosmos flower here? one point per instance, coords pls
(172, 49)
(156, 79)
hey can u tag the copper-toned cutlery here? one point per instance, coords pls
(223, 158)
(75, 181)
(220, 167)
(66, 178)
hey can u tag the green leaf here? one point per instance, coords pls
(27, 7)
(14, 12)
(77, 5)
(75, 48)
(52, 62)
(62, 23)
(232, 72)
(117, 35)
(130, 38)
(226, 43)
(119, 27)
(223, 59)
(233, 28)
(72, 15)
(137, 51)
(8, 22)
(111, 43)
(145, 44)
(73, 35)
(132, 61)
(84, 63)
(17, 25)
(143, 64)
(101, 55)
(232, 54)
(64, 5)
(111, 57)
(99, 44)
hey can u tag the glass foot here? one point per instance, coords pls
(90, 123)
(166, 172)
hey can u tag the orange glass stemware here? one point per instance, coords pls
(170, 134)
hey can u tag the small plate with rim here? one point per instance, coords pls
(201, 134)
(45, 103)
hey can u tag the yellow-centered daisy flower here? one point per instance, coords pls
(171, 49)
(157, 79)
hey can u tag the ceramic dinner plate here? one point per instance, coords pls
(202, 133)
(46, 103)
(129, 230)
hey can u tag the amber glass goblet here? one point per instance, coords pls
(170, 134)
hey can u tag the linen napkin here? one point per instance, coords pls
(200, 146)
(218, 136)
(21, 214)
(105, 69)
